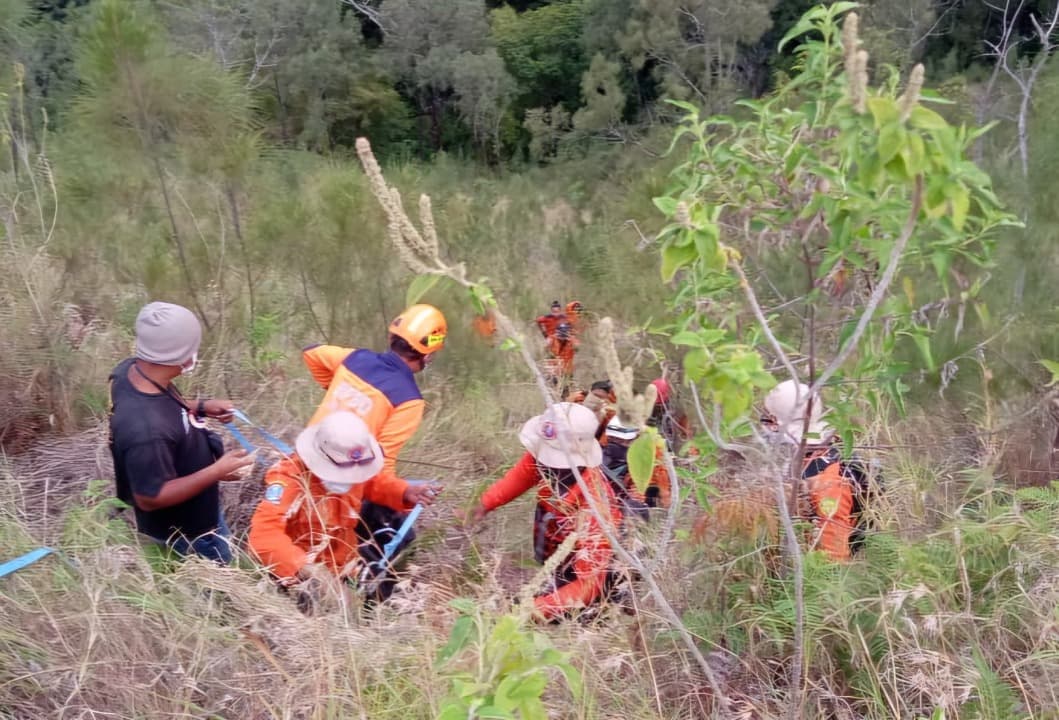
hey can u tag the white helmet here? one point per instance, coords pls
(617, 428)
(787, 402)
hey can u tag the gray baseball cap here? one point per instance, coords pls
(167, 334)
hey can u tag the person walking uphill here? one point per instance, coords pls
(166, 463)
(548, 323)
(381, 387)
(585, 576)
(311, 525)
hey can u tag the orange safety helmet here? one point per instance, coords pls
(574, 308)
(421, 326)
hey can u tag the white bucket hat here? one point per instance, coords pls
(787, 402)
(617, 428)
(541, 436)
(340, 450)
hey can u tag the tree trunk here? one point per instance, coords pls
(1024, 111)
(237, 225)
(436, 108)
(284, 133)
(179, 242)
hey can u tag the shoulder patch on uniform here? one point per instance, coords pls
(274, 492)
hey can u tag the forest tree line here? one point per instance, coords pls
(515, 81)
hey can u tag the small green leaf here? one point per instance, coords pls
(667, 205)
(573, 677)
(515, 689)
(481, 298)
(691, 109)
(1052, 367)
(884, 110)
(695, 364)
(803, 26)
(463, 605)
(509, 344)
(452, 711)
(687, 337)
(961, 204)
(942, 261)
(674, 258)
(927, 119)
(922, 342)
(532, 710)
(458, 638)
(420, 286)
(891, 141)
(641, 458)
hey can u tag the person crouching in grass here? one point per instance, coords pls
(317, 525)
(585, 577)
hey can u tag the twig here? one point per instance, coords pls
(795, 550)
(744, 283)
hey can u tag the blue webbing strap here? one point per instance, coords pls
(24, 561)
(245, 442)
(389, 548)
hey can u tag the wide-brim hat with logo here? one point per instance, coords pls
(340, 449)
(541, 436)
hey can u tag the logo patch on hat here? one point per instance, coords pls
(548, 430)
(435, 339)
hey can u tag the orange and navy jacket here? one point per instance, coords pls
(379, 387)
(299, 522)
(829, 484)
(569, 512)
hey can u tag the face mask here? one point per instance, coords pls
(190, 367)
(776, 437)
(336, 488)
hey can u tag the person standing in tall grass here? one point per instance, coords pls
(167, 465)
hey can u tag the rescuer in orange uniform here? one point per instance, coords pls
(547, 323)
(562, 345)
(381, 387)
(575, 315)
(585, 576)
(314, 523)
(836, 488)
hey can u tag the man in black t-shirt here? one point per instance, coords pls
(166, 464)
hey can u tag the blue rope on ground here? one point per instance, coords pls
(24, 561)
